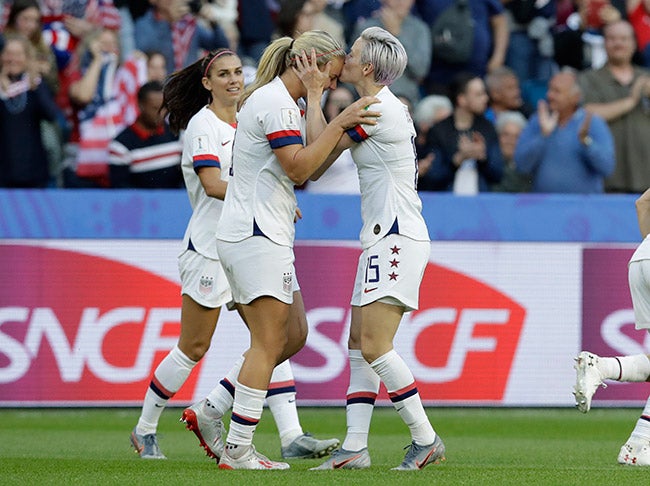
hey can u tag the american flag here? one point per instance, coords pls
(114, 108)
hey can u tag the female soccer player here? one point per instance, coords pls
(396, 246)
(202, 99)
(592, 370)
(255, 235)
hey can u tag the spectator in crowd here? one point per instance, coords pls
(294, 18)
(504, 93)
(24, 102)
(323, 20)
(25, 19)
(563, 147)
(130, 11)
(137, 70)
(530, 48)
(638, 12)
(97, 115)
(619, 92)
(490, 42)
(509, 125)
(467, 158)
(428, 111)
(173, 28)
(224, 14)
(256, 28)
(156, 66)
(341, 177)
(146, 154)
(395, 16)
(579, 42)
(354, 12)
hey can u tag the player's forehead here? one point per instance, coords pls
(336, 67)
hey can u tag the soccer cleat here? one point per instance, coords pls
(635, 452)
(588, 379)
(342, 459)
(306, 447)
(146, 446)
(419, 456)
(208, 430)
(250, 460)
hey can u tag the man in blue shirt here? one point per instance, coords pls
(564, 148)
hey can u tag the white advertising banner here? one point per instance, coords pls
(85, 322)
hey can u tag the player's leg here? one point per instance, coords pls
(281, 397)
(636, 450)
(592, 370)
(197, 326)
(400, 265)
(267, 322)
(264, 298)
(360, 402)
(204, 290)
(379, 325)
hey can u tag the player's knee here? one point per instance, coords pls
(369, 354)
(195, 350)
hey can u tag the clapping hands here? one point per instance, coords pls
(547, 119)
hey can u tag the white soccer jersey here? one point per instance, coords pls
(260, 197)
(207, 142)
(643, 251)
(387, 166)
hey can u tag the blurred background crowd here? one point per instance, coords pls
(549, 96)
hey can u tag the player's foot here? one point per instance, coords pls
(250, 460)
(342, 459)
(306, 447)
(588, 379)
(146, 446)
(635, 452)
(208, 430)
(419, 456)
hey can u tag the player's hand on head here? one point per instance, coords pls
(359, 113)
(307, 70)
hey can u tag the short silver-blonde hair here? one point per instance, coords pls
(506, 117)
(385, 53)
(426, 110)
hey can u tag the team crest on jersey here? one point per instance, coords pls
(200, 144)
(206, 283)
(290, 118)
(287, 282)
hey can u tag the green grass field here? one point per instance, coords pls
(484, 446)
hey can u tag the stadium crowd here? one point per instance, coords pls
(552, 96)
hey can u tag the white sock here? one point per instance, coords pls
(169, 376)
(642, 427)
(220, 399)
(246, 413)
(361, 396)
(403, 392)
(281, 399)
(633, 368)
